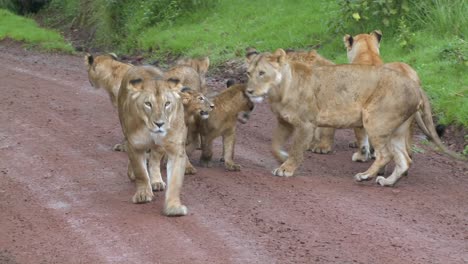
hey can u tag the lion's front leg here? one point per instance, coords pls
(280, 135)
(207, 151)
(229, 140)
(157, 183)
(175, 178)
(144, 193)
(301, 137)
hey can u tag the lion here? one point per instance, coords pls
(201, 65)
(105, 71)
(151, 114)
(188, 76)
(196, 108)
(222, 122)
(365, 49)
(338, 96)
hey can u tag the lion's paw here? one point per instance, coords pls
(360, 157)
(362, 177)
(190, 170)
(143, 196)
(282, 172)
(321, 149)
(120, 147)
(383, 182)
(158, 186)
(179, 210)
(232, 166)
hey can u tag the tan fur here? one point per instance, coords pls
(340, 96)
(152, 118)
(107, 72)
(201, 65)
(323, 137)
(188, 76)
(364, 49)
(311, 58)
(196, 108)
(222, 122)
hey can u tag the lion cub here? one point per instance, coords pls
(222, 122)
(196, 108)
(151, 114)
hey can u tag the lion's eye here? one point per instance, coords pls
(148, 104)
(167, 104)
(201, 98)
(248, 74)
(261, 73)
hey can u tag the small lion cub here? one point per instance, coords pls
(222, 122)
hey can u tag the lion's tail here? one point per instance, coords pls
(426, 124)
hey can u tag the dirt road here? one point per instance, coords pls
(65, 196)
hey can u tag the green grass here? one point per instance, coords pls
(435, 34)
(26, 30)
(226, 30)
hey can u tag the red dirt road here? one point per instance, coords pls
(65, 196)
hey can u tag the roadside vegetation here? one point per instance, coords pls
(25, 29)
(430, 35)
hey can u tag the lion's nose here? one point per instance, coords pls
(250, 91)
(159, 124)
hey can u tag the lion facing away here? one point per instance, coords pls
(222, 122)
(365, 49)
(338, 96)
(152, 118)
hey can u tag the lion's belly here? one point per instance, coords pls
(346, 118)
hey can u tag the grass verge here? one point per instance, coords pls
(26, 30)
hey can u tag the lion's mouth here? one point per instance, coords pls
(204, 114)
(257, 99)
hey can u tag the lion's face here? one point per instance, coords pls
(263, 72)
(196, 102)
(156, 102)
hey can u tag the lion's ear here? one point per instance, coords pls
(348, 41)
(280, 56)
(250, 53)
(377, 34)
(136, 84)
(113, 56)
(175, 83)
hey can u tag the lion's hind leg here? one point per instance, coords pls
(398, 146)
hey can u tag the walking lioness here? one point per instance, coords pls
(152, 118)
(342, 96)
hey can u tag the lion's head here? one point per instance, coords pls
(362, 44)
(196, 103)
(263, 72)
(155, 101)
